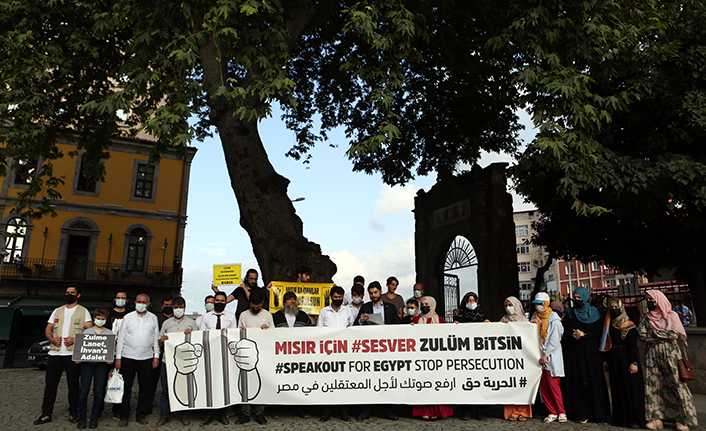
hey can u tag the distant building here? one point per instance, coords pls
(593, 276)
(530, 257)
(126, 233)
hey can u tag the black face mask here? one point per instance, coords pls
(615, 312)
(337, 302)
(70, 299)
(168, 310)
(651, 305)
(219, 307)
(255, 310)
(578, 303)
(425, 309)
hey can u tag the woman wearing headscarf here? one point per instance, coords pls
(515, 313)
(623, 364)
(469, 310)
(584, 388)
(550, 331)
(427, 316)
(666, 397)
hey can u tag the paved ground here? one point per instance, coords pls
(21, 393)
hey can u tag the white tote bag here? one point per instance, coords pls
(114, 391)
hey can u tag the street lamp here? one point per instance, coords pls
(164, 251)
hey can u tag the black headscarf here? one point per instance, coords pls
(466, 315)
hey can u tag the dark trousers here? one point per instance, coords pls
(55, 366)
(98, 372)
(143, 369)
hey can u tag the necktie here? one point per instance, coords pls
(218, 322)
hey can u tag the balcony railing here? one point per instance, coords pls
(79, 270)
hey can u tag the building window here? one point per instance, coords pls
(595, 266)
(521, 230)
(611, 282)
(145, 179)
(584, 267)
(137, 248)
(586, 285)
(526, 285)
(25, 171)
(523, 267)
(570, 269)
(523, 249)
(14, 239)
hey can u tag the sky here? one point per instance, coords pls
(365, 226)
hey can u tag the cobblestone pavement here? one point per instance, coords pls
(21, 393)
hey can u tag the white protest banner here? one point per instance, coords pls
(472, 363)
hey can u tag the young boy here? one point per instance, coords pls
(98, 371)
(410, 311)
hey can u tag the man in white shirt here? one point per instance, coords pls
(217, 319)
(63, 325)
(358, 280)
(336, 314)
(357, 300)
(137, 352)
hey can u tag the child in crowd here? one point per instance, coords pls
(410, 311)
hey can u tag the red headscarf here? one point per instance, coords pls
(663, 318)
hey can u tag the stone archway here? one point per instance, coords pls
(476, 206)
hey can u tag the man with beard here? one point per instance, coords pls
(290, 316)
(242, 292)
(63, 325)
(218, 319)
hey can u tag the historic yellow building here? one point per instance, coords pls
(125, 233)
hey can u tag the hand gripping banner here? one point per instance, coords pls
(470, 363)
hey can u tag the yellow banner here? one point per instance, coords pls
(227, 274)
(311, 297)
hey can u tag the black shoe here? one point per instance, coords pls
(123, 423)
(304, 415)
(73, 419)
(465, 417)
(391, 416)
(207, 420)
(260, 419)
(363, 416)
(223, 419)
(142, 420)
(275, 415)
(93, 424)
(481, 417)
(42, 420)
(325, 418)
(243, 420)
(81, 424)
(345, 418)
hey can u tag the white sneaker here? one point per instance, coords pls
(551, 418)
(562, 418)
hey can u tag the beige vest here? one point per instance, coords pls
(78, 324)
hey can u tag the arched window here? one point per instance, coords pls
(137, 249)
(15, 238)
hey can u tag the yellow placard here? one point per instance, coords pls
(227, 274)
(311, 297)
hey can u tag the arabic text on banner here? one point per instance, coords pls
(472, 363)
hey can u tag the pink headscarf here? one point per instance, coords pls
(663, 318)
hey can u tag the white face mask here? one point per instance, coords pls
(357, 300)
(179, 312)
(510, 309)
(540, 308)
(411, 311)
(471, 305)
(99, 322)
(141, 308)
(417, 293)
(209, 306)
(120, 303)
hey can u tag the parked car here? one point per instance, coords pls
(38, 354)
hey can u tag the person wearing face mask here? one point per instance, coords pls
(118, 311)
(622, 363)
(515, 313)
(209, 302)
(358, 280)
(63, 325)
(255, 317)
(96, 371)
(418, 292)
(137, 353)
(217, 319)
(666, 396)
(357, 299)
(469, 311)
(177, 323)
(585, 389)
(550, 332)
(410, 312)
(290, 316)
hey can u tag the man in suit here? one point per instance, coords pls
(377, 306)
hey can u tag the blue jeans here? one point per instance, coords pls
(164, 408)
(98, 372)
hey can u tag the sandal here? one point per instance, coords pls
(512, 418)
(521, 418)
